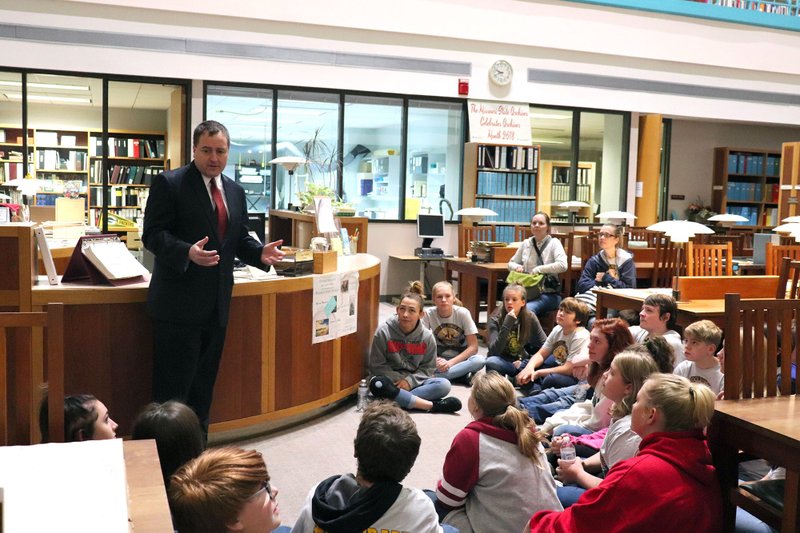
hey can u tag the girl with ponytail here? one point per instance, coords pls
(495, 474)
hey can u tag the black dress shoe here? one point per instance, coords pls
(451, 404)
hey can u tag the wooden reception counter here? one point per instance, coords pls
(270, 374)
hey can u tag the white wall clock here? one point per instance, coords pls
(501, 72)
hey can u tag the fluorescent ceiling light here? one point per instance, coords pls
(43, 98)
(47, 86)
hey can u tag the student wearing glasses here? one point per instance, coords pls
(612, 267)
(225, 489)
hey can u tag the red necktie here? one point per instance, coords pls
(222, 213)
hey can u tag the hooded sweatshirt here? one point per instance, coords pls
(671, 485)
(398, 355)
(490, 485)
(340, 505)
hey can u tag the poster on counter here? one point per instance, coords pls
(335, 307)
(499, 122)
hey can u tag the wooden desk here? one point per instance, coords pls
(469, 276)
(423, 263)
(147, 497)
(688, 311)
(768, 428)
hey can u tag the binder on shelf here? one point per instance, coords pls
(100, 259)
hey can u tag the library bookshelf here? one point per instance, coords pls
(503, 178)
(747, 183)
(555, 189)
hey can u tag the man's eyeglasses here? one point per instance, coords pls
(265, 486)
(604, 235)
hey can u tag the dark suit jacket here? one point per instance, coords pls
(178, 214)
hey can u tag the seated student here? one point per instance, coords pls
(657, 319)
(624, 378)
(670, 484)
(85, 418)
(551, 366)
(495, 474)
(224, 489)
(700, 342)
(176, 430)
(612, 267)
(373, 499)
(403, 359)
(608, 337)
(514, 333)
(456, 335)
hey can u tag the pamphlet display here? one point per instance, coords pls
(335, 306)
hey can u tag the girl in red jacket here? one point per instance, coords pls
(670, 485)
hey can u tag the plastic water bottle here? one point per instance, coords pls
(568, 451)
(363, 389)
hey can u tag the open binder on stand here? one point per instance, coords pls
(104, 259)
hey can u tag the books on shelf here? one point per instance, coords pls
(133, 147)
(508, 157)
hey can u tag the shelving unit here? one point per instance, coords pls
(134, 158)
(555, 188)
(11, 147)
(504, 179)
(747, 182)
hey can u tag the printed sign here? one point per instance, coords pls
(499, 122)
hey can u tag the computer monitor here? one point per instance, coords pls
(429, 227)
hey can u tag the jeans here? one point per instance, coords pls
(572, 430)
(432, 389)
(569, 494)
(554, 381)
(547, 301)
(547, 402)
(504, 366)
(473, 364)
(441, 511)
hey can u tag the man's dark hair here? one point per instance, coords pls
(386, 444)
(211, 127)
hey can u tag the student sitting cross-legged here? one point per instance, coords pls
(402, 360)
(552, 366)
(373, 499)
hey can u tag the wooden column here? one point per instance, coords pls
(789, 203)
(648, 169)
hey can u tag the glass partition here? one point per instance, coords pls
(433, 159)
(601, 164)
(308, 126)
(247, 113)
(373, 144)
(552, 130)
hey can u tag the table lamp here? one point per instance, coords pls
(619, 218)
(726, 220)
(290, 163)
(679, 231)
(573, 206)
(470, 216)
(791, 227)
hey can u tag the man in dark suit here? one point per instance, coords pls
(195, 224)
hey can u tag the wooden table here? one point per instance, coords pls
(469, 275)
(147, 497)
(688, 311)
(768, 428)
(423, 263)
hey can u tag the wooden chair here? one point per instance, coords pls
(643, 234)
(522, 232)
(666, 265)
(747, 240)
(21, 392)
(709, 259)
(775, 253)
(467, 234)
(789, 279)
(753, 328)
(569, 278)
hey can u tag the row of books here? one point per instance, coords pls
(743, 191)
(61, 159)
(560, 193)
(11, 171)
(771, 216)
(508, 157)
(748, 212)
(779, 8)
(118, 197)
(506, 183)
(561, 175)
(125, 174)
(59, 186)
(47, 198)
(753, 164)
(519, 211)
(129, 147)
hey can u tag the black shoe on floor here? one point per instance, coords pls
(466, 379)
(382, 387)
(451, 404)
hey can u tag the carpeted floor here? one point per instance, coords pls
(299, 457)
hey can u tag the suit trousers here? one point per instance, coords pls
(186, 360)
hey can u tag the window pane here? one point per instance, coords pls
(62, 110)
(247, 113)
(373, 137)
(12, 164)
(601, 175)
(308, 126)
(552, 129)
(433, 164)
